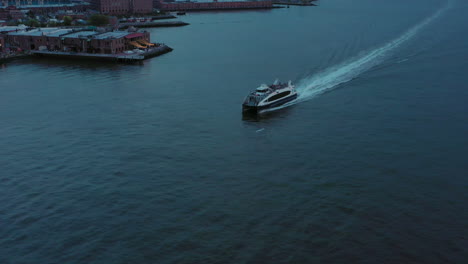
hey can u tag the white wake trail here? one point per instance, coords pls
(332, 77)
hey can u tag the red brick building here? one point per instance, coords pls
(3, 14)
(14, 13)
(118, 7)
(59, 39)
(142, 6)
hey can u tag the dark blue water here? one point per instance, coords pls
(154, 163)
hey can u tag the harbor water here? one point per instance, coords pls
(155, 163)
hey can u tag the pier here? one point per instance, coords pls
(152, 24)
(159, 17)
(295, 2)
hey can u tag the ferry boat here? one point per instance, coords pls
(269, 96)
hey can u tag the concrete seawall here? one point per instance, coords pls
(125, 58)
(7, 58)
(153, 52)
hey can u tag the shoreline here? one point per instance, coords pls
(119, 58)
(5, 59)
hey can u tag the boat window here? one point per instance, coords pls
(252, 100)
(278, 96)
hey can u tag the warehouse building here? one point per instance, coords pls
(80, 41)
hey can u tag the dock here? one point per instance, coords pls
(163, 17)
(295, 2)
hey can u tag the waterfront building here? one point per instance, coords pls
(142, 6)
(215, 5)
(4, 31)
(76, 41)
(117, 7)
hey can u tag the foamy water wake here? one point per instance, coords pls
(332, 77)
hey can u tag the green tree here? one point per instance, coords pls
(33, 23)
(67, 20)
(52, 24)
(98, 20)
(31, 14)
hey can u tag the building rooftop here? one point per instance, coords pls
(81, 34)
(53, 32)
(114, 34)
(12, 28)
(58, 32)
(65, 33)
